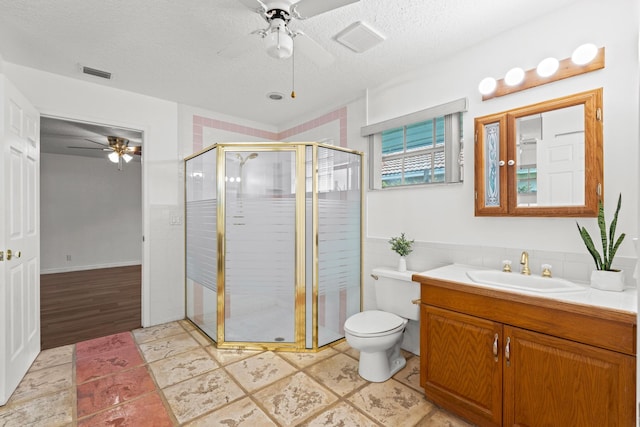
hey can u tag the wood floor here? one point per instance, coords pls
(88, 304)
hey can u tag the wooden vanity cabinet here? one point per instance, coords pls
(456, 369)
(503, 359)
(556, 382)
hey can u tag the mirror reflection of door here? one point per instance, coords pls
(551, 158)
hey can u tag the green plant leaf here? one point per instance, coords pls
(610, 244)
(603, 231)
(401, 245)
(612, 230)
(590, 246)
(614, 250)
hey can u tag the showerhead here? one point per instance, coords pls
(243, 160)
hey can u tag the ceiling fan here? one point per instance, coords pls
(278, 36)
(118, 148)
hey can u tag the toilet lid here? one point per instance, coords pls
(373, 322)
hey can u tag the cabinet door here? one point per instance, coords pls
(554, 382)
(491, 165)
(461, 364)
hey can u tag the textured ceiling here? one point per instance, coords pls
(168, 48)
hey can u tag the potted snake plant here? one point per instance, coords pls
(403, 247)
(605, 277)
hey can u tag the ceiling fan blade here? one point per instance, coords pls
(96, 142)
(240, 46)
(134, 150)
(308, 47)
(90, 148)
(255, 5)
(308, 8)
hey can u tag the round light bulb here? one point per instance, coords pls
(584, 54)
(127, 157)
(547, 67)
(514, 76)
(487, 85)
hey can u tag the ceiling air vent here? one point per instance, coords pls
(359, 37)
(96, 72)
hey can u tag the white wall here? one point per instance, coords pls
(89, 211)
(163, 249)
(442, 217)
(445, 214)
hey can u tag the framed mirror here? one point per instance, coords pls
(544, 159)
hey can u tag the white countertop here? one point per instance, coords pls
(624, 301)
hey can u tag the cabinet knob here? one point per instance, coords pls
(501, 163)
(511, 162)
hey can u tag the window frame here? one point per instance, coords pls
(452, 148)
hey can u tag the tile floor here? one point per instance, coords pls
(171, 375)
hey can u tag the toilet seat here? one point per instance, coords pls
(374, 323)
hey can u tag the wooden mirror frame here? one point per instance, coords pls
(507, 192)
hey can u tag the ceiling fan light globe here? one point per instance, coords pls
(279, 43)
(114, 157)
(127, 157)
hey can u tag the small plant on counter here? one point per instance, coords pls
(610, 244)
(401, 245)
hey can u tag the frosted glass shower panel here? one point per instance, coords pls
(260, 248)
(339, 215)
(201, 240)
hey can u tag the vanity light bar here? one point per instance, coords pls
(566, 68)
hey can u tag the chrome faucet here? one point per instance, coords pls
(524, 260)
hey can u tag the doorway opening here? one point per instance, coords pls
(91, 230)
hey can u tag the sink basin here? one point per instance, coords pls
(523, 282)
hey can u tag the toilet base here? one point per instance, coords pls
(379, 366)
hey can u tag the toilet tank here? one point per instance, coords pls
(395, 291)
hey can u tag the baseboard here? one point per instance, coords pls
(88, 267)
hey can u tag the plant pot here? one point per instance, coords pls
(607, 280)
(402, 264)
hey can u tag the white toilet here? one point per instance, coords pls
(378, 333)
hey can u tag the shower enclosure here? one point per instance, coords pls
(273, 243)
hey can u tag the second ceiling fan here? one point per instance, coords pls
(119, 149)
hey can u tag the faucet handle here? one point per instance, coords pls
(546, 270)
(506, 266)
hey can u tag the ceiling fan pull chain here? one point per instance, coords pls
(293, 71)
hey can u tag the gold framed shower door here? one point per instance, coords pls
(300, 343)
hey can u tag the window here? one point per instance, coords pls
(414, 152)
